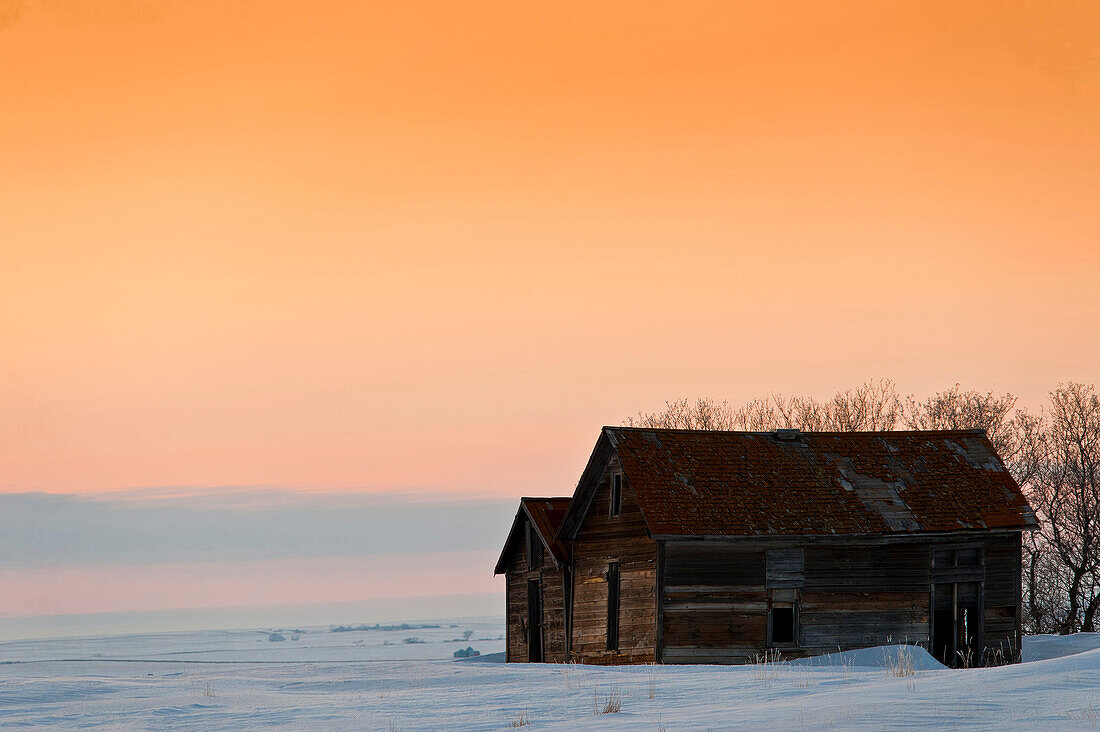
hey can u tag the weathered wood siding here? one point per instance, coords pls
(553, 607)
(600, 540)
(1002, 591)
(859, 596)
(714, 595)
(714, 604)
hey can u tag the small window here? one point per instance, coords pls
(782, 625)
(783, 617)
(534, 547)
(616, 494)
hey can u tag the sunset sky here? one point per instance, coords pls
(279, 262)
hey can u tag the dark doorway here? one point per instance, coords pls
(957, 623)
(534, 622)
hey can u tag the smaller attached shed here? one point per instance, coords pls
(536, 566)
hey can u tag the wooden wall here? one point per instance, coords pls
(714, 604)
(601, 539)
(859, 596)
(553, 607)
(1003, 614)
(714, 599)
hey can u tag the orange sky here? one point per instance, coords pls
(437, 245)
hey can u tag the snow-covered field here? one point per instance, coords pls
(377, 679)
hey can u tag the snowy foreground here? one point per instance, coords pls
(406, 678)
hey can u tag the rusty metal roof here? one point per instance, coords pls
(546, 515)
(711, 483)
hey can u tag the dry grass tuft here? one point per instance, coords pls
(568, 675)
(1002, 654)
(765, 666)
(612, 703)
(652, 672)
(966, 659)
(899, 662)
(522, 720)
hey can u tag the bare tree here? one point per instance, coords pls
(805, 413)
(1045, 586)
(704, 414)
(872, 406)
(1065, 491)
(758, 415)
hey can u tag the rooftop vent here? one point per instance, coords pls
(786, 434)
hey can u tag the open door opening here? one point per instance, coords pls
(957, 605)
(943, 622)
(968, 622)
(956, 623)
(534, 622)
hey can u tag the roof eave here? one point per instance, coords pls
(501, 566)
(841, 536)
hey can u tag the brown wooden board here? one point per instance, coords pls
(876, 593)
(551, 584)
(600, 540)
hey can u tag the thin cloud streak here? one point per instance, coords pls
(177, 525)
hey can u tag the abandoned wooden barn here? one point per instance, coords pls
(687, 546)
